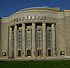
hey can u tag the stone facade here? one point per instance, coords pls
(52, 26)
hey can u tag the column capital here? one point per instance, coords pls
(53, 23)
(15, 25)
(44, 21)
(23, 23)
(33, 22)
(43, 24)
(10, 27)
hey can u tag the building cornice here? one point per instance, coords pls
(36, 9)
(31, 11)
(66, 10)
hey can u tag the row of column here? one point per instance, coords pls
(33, 40)
(53, 40)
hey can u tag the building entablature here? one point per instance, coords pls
(33, 21)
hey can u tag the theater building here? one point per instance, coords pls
(35, 31)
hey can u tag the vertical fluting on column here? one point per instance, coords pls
(23, 40)
(53, 40)
(15, 41)
(44, 39)
(10, 41)
(33, 39)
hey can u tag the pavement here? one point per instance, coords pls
(36, 59)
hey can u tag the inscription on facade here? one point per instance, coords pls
(30, 18)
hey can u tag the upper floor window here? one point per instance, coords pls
(39, 39)
(49, 38)
(44, 17)
(41, 17)
(28, 39)
(19, 39)
(17, 19)
(13, 40)
(14, 20)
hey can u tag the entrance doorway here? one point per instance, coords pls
(12, 53)
(49, 52)
(28, 52)
(19, 53)
(39, 52)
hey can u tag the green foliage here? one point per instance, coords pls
(35, 64)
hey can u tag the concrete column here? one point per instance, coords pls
(15, 41)
(33, 39)
(10, 41)
(44, 40)
(53, 40)
(23, 41)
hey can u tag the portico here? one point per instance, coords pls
(31, 43)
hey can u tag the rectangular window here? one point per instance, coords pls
(44, 17)
(28, 39)
(49, 38)
(13, 40)
(14, 20)
(39, 39)
(19, 39)
(41, 18)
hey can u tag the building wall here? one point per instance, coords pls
(61, 42)
(62, 30)
(4, 38)
(67, 30)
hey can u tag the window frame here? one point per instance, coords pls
(28, 37)
(39, 39)
(49, 40)
(19, 39)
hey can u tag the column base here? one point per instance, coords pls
(44, 57)
(54, 55)
(22, 56)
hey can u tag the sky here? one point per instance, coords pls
(9, 7)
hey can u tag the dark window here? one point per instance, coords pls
(17, 19)
(44, 17)
(14, 20)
